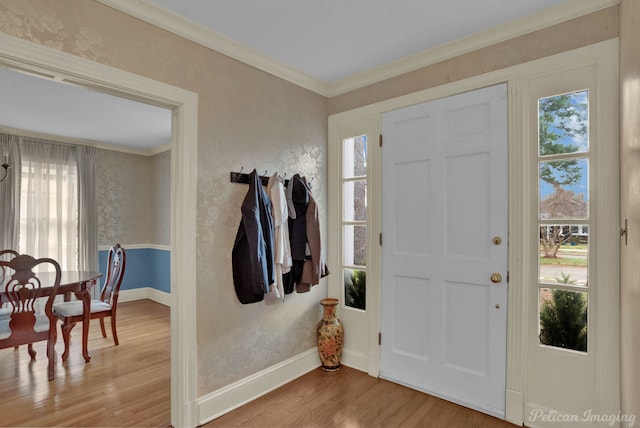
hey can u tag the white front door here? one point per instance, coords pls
(444, 270)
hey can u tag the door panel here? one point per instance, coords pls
(411, 210)
(463, 302)
(466, 235)
(444, 199)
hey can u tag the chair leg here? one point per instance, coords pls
(32, 353)
(51, 354)
(104, 331)
(66, 337)
(51, 368)
(53, 338)
(113, 329)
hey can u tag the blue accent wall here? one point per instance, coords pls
(146, 267)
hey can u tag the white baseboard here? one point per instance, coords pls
(355, 360)
(145, 293)
(230, 397)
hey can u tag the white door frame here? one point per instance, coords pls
(368, 120)
(19, 54)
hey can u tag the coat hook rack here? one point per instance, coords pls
(243, 178)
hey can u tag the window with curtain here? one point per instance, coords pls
(53, 201)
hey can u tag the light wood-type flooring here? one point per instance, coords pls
(350, 398)
(129, 385)
(124, 385)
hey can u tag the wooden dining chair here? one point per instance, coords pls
(71, 312)
(5, 311)
(10, 253)
(21, 288)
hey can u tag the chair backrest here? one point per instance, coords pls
(21, 288)
(116, 263)
(3, 255)
(13, 253)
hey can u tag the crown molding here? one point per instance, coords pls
(546, 18)
(84, 142)
(168, 20)
(177, 24)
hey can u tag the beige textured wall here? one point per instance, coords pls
(161, 205)
(583, 31)
(125, 213)
(630, 209)
(134, 206)
(246, 118)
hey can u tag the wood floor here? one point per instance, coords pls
(129, 385)
(349, 398)
(124, 385)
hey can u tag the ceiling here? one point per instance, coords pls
(327, 40)
(331, 40)
(45, 107)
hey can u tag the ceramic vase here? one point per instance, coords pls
(330, 335)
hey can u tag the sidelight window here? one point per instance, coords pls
(354, 220)
(563, 220)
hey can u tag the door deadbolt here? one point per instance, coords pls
(497, 240)
(496, 278)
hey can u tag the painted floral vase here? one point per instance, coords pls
(330, 335)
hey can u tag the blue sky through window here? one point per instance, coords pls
(570, 134)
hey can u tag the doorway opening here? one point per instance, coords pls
(36, 59)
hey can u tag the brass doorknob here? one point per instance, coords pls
(496, 278)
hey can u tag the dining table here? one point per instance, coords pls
(76, 282)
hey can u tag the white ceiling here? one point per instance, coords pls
(328, 40)
(45, 106)
(335, 39)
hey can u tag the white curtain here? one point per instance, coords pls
(9, 192)
(57, 206)
(87, 211)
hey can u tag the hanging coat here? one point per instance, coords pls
(252, 256)
(281, 245)
(304, 234)
(298, 200)
(314, 266)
